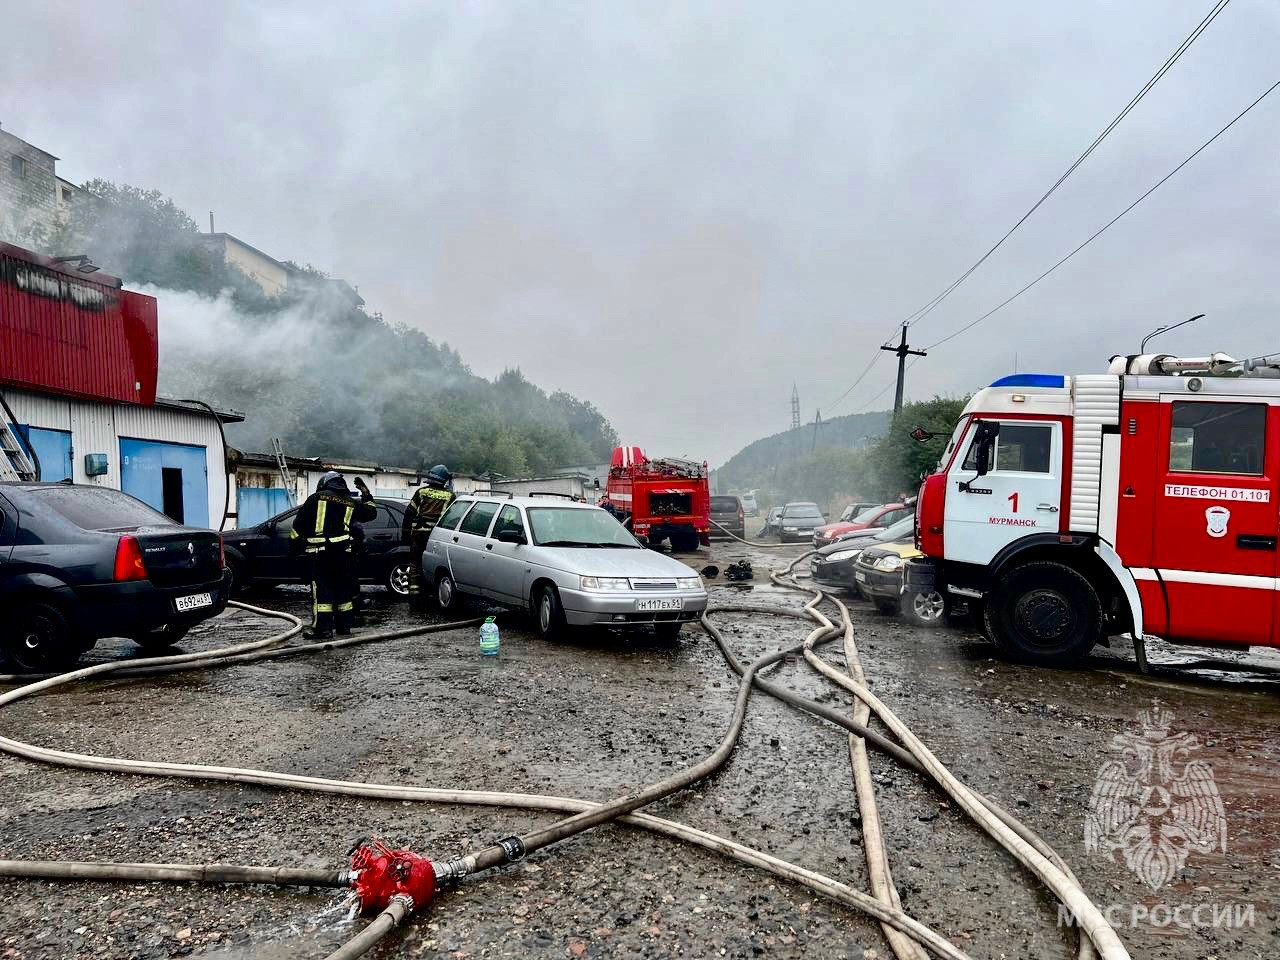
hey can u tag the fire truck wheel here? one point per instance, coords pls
(1045, 613)
(548, 612)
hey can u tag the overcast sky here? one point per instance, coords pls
(677, 210)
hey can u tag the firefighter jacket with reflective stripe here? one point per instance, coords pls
(425, 510)
(324, 521)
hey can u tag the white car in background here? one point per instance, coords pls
(749, 506)
(567, 563)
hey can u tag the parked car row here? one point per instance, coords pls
(871, 563)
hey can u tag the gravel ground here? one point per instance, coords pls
(591, 717)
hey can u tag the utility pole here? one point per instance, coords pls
(817, 426)
(795, 408)
(903, 351)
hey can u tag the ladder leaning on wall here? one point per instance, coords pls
(15, 464)
(282, 465)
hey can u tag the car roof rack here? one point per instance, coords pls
(548, 493)
(491, 493)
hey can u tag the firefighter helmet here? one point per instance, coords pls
(439, 475)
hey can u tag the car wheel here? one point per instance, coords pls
(38, 638)
(447, 597)
(926, 608)
(239, 585)
(397, 578)
(887, 607)
(162, 638)
(548, 612)
(1045, 613)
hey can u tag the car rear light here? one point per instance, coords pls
(129, 565)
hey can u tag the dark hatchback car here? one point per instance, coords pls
(798, 521)
(727, 517)
(259, 555)
(80, 563)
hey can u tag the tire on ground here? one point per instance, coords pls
(1044, 613)
(396, 578)
(37, 637)
(926, 608)
(548, 612)
(448, 600)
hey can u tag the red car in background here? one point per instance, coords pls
(873, 518)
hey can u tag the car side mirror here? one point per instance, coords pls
(511, 536)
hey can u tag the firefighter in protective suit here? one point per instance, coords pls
(421, 517)
(322, 534)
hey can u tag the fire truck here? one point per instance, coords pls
(661, 499)
(1069, 509)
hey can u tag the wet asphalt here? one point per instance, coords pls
(591, 716)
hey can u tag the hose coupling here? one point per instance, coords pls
(450, 872)
(513, 848)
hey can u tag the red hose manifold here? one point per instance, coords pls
(379, 873)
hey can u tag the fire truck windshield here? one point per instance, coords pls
(951, 444)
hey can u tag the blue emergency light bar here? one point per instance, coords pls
(1032, 380)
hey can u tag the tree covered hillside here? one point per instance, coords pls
(312, 367)
(858, 457)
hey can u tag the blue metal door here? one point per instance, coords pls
(148, 467)
(53, 447)
(255, 504)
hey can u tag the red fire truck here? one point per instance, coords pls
(1069, 509)
(661, 499)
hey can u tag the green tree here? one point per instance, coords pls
(898, 461)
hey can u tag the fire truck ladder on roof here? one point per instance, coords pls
(15, 464)
(283, 466)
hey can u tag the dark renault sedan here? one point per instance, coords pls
(259, 555)
(79, 563)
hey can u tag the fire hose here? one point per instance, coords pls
(396, 907)
(399, 903)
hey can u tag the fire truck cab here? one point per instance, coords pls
(1068, 509)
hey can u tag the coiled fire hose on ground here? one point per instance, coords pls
(592, 814)
(396, 911)
(1050, 870)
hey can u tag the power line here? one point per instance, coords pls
(1136, 99)
(1154, 187)
(1146, 88)
(875, 357)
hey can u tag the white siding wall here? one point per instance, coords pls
(98, 427)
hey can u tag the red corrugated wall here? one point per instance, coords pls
(72, 333)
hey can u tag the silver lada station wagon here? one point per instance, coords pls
(565, 562)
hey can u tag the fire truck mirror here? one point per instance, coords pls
(985, 441)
